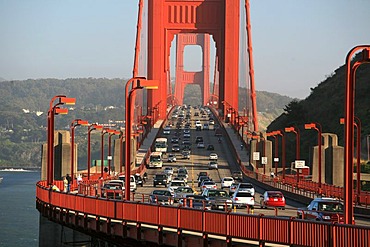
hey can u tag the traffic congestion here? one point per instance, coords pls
(190, 166)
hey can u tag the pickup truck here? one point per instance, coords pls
(323, 209)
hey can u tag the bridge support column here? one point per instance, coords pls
(179, 237)
(205, 240)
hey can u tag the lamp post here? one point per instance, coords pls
(103, 132)
(348, 130)
(115, 132)
(317, 127)
(357, 125)
(276, 153)
(135, 83)
(89, 129)
(54, 109)
(74, 124)
(295, 130)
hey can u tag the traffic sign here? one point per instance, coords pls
(256, 155)
(298, 164)
(264, 161)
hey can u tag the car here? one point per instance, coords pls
(237, 175)
(163, 197)
(217, 198)
(246, 187)
(201, 178)
(175, 148)
(139, 180)
(186, 154)
(226, 182)
(206, 126)
(199, 139)
(213, 165)
(233, 188)
(208, 184)
(210, 147)
(167, 130)
(187, 135)
(200, 145)
(323, 209)
(171, 158)
(202, 174)
(195, 201)
(186, 131)
(174, 184)
(198, 124)
(213, 156)
(132, 181)
(168, 170)
(242, 199)
(114, 189)
(160, 179)
(181, 192)
(183, 176)
(182, 170)
(272, 199)
(211, 121)
(175, 140)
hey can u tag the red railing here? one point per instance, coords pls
(288, 231)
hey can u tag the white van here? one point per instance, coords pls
(132, 182)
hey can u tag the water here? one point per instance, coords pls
(19, 218)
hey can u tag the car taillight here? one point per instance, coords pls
(252, 199)
(236, 198)
(203, 186)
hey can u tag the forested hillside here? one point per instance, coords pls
(24, 105)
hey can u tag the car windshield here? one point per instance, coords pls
(160, 176)
(331, 206)
(161, 193)
(217, 193)
(243, 194)
(248, 186)
(177, 184)
(275, 195)
(184, 190)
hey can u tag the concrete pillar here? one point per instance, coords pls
(264, 148)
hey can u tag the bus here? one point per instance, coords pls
(155, 160)
(160, 145)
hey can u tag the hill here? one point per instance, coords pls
(24, 105)
(325, 105)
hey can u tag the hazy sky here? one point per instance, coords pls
(296, 43)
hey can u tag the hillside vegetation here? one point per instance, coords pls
(325, 105)
(24, 105)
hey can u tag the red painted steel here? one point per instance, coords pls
(216, 223)
(190, 219)
(265, 229)
(189, 77)
(169, 18)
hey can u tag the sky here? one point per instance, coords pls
(296, 43)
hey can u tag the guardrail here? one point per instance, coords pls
(289, 231)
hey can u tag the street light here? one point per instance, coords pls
(357, 124)
(348, 130)
(317, 127)
(89, 129)
(115, 132)
(135, 83)
(103, 132)
(54, 109)
(295, 130)
(74, 124)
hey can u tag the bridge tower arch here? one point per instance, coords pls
(167, 18)
(189, 77)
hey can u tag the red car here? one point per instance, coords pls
(273, 199)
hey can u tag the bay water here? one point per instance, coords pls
(19, 218)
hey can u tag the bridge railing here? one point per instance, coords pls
(260, 228)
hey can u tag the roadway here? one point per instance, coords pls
(199, 162)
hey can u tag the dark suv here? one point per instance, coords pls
(237, 175)
(323, 209)
(160, 179)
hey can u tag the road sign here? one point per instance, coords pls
(256, 155)
(298, 164)
(109, 157)
(276, 159)
(264, 161)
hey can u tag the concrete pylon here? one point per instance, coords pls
(62, 156)
(263, 150)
